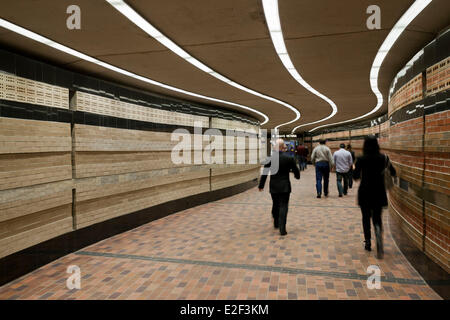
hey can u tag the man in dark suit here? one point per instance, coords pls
(279, 166)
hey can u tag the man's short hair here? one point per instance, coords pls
(322, 141)
(279, 145)
(342, 145)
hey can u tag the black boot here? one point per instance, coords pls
(367, 245)
(283, 230)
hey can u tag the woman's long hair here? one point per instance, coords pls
(371, 146)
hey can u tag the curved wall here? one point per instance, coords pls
(419, 146)
(416, 135)
(76, 152)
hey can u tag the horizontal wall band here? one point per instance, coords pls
(38, 71)
(20, 110)
(27, 260)
(434, 52)
(439, 102)
(428, 106)
(345, 138)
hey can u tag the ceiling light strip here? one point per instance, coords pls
(145, 26)
(276, 34)
(36, 37)
(413, 11)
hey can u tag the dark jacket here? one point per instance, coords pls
(369, 169)
(302, 151)
(279, 182)
(353, 155)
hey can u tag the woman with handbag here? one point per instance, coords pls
(373, 168)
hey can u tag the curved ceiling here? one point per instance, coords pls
(328, 43)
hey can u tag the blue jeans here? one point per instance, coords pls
(339, 177)
(322, 171)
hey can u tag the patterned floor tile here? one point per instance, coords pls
(228, 249)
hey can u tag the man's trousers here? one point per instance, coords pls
(280, 202)
(339, 177)
(322, 171)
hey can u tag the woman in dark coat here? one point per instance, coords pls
(372, 192)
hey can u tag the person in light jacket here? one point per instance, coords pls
(323, 160)
(343, 162)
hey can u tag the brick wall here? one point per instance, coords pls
(56, 177)
(417, 139)
(35, 182)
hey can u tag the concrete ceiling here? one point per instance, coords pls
(328, 42)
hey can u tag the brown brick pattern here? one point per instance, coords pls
(35, 182)
(438, 76)
(419, 148)
(228, 249)
(55, 178)
(408, 93)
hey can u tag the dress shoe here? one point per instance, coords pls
(367, 246)
(283, 232)
(340, 196)
(319, 196)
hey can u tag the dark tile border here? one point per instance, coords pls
(290, 205)
(436, 277)
(27, 260)
(288, 270)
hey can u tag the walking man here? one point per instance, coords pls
(350, 173)
(323, 160)
(280, 185)
(343, 162)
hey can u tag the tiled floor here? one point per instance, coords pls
(229, 250)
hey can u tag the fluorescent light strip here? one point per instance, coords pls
(413, 11)
(276, 34)
(143, 24)
(34, 36)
